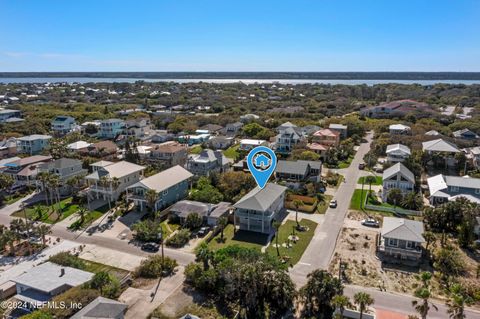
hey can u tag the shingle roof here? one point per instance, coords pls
(399, 168)
(403, 229)
(184, 208)
(440, 145)
(48, 276)
(292, 167)
(165, 179)
(101, 308)
(261, 199)
(220, 209)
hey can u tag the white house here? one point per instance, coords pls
(398, 129)
(248, 144)
(397, 153)
(398, 177)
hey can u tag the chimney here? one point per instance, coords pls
(62, 272)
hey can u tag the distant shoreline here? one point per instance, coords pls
(408, 76)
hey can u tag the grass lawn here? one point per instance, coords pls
(241, 238)
(346, 163)
(322, 206)
(296, 251)
(97, 267)
(378, 180)
(357, 197)
(195, 150)
(168, 228)
(90, 217)
(232, 152)
(50, 215)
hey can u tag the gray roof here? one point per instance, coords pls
(165, 179)
(184, 208)
(398, 147)
(399, 168)
(261, 199)
(48, 276)
(462, 181)
(61, 163)
(101, 308)
(119, 169)
(208, 155)
(403, 229)
(220, 209)
(440, 145)
(291, 167)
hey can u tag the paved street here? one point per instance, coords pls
(320, 250)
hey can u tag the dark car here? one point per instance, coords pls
(151, 247)
(203, 231)
(361, 166)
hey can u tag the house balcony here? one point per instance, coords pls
(402, 253)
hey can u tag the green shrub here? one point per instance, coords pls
(152, 267)
(68, 260)
(180, 238)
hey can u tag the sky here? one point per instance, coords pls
(240, 35)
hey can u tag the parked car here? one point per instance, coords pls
(361, 166)
(151, 247)
(333, 203)
(203, 231)
(370, 222)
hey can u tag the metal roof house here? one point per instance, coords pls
(401, 239)
(447, 188)
(257, 210)
(398, 177)
(397, 153)
(171, 185)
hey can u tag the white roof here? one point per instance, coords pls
(165, 179)
(436, 184)
(48, 276)
(440, 145)
(399, 127)
(143, 149)
(101, 163)
(468, 197)
(432, 133)
(394, 148)
(399, 168)
(118, 170)
(34, 137)
(403, 229)
(252, 142)
(78, 145)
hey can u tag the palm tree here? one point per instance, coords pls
(276, 226)
(222, 223)
(297, 203)
(370, 179)
(204, 254)
(412, 201)
(54, 183)
(17, 226)
(424, 294)
(362, 300)
(42, 231)
(151, 196)
(43, 177)
(10, 238)
(459, 298)
(39, 212)
(429, 238)
(341, 302)
(82, 212)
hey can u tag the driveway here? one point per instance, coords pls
(320, 250)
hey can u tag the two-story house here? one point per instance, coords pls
(109, 180)
(327, 137)
(401, 239)
(24, 170)
(444, 188)
(111, 128)
(33, 144)
(233, 129)
(62, 125)
(8, 147)
(443, 148)
(170, 185)
(107, 150)
(207, 162)
(64, 169)
(289, 136)
(473, 155)
(397, 153)
(5, 115)
(221, 142)
(139, 129)
(399, 177)
(257, 210)
(340, 128)
(169, 153)
(298, 171)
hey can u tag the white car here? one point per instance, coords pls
(333, 203)
(370, 222)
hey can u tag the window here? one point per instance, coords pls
(410, 245)
(165, 192)
(392, 242)
(454, 188)
(477, 191)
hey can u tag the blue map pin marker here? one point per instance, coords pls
(261, 162)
